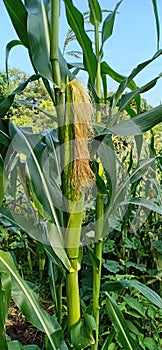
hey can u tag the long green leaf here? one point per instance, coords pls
(106, 69)
(76, 22)
(145, 203)
(127, 98)
(119, 324)
(134, 126)
(39, 37)
(9, 46)
(48, 194)
(146, 291)
(27, 301)
(155, 8)
(135, 71)
(119, 196)
(108, 24)
(34, 106)
(18, 15)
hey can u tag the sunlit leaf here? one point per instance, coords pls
(9, 46)
(18, 15)
(95, 12)
(135, 71)
(155, 8)
(39, 37)
(127, 98)
(108, 24)
(76, 22)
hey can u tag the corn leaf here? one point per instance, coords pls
(4, 135)
(5, 297)
(155, 8)
(27, 301)
(83, 333)
(76, 22)
(135, 71)
(18, 15)
(39, 37)
(95, 12)
(127, 98)
(9, 46)
(119, 324)
(146, 291)
(145, 203)
(134, 126)
(106, 69)
(44, 191)
(108, 24)
(7, 101)
(1, 180)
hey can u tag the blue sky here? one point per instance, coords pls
(133, 41)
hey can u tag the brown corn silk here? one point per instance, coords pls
(82, 109)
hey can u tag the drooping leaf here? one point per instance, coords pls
(106, 69)
(7, 101)
(34, 106)
(27, 302)
(18, 15)
(44, 191)
(146, 291)
(95, 12)
(119, 324)
(155, 8)
(39, 37)
(76, 22)
(9, 46)
(145, 203)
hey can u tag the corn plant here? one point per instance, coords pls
(56, 168)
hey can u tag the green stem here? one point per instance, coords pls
(54, 42)
(72, 292)
(96, 269)
(99, 212)
(73, 240)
